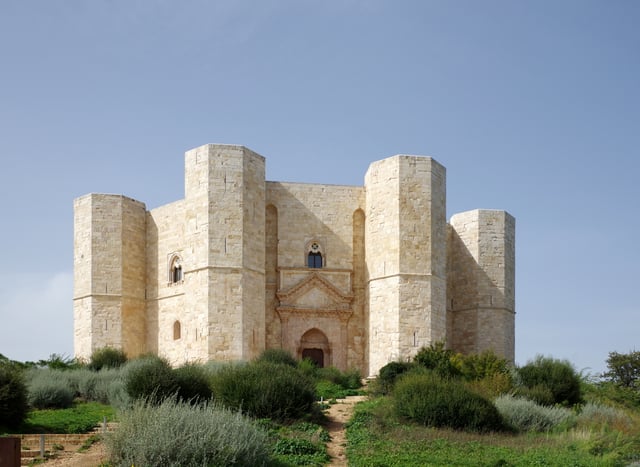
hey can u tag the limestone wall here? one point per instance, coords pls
(297, 215)
(481, 289)
(405, 241)
(394, 276)
(224, 240)
(109, 274)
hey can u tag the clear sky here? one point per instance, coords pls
(533, 107)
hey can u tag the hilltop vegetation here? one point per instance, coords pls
(436, 410)
(441, 408)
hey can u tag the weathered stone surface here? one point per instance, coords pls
(224, 273)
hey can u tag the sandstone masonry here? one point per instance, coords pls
(347, 276)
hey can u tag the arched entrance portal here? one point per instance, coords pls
(314, 345)
(315, 355)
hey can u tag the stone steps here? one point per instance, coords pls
(56, 444)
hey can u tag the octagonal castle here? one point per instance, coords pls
(349, 276)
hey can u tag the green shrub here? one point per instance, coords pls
(193, 383)
(479, 366)
(526, 415)
(278, 356)
(150, 378)
(91, 385)
(558, 376)
(107, 357)
(308, 367)
(433, 401)
(540, 394)
(60, 362)
(329, 373)
(49, 389)
(437, 359)
(174, 433)
(117, 395)
(265, 390)
(492, 386)
(349, 379)
(13, 397)
(388, 374)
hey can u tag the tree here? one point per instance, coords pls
(624, 369)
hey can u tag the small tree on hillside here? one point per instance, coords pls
(624, 369)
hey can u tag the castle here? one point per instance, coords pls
(348, 276)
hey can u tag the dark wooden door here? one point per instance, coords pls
(315, 355)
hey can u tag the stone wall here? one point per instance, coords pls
(299, 214)
(405, 256)
(394, 276)
(109, 277)
(481, 282)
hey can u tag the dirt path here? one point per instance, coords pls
(339, 414)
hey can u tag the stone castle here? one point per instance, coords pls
(348, 276)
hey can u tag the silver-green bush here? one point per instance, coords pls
(525, 415)
(49, 389)
(593, 413)
(179, 434)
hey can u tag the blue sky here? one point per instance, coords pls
(533, 107)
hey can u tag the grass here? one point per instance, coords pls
(377, 438)
(81, 418)
(297, 444)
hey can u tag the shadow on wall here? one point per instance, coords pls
(480, 288)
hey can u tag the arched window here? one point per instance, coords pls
(175, 270)
(314, 256)
(176, 330)
(314, 260)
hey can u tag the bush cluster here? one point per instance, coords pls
(193, 383)
(107, 357)
(277, 356)
(264, 389)
(438, 359)
(13, 397)
(388, 374)
(550, 381)
(431, 400)
(151, 378)
(49, 389)
(525, 415)
(174, 433)
(594, 414)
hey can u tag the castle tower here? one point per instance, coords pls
(405, 240)
(109, 274)
(481, 288)
(224, 254)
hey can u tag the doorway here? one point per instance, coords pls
(315, 355)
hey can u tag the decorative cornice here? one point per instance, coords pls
(314, 280)
(289, 311)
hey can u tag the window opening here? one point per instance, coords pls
(314, 258)
(175, 270)
(176, 330)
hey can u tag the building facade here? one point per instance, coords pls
(353, 277)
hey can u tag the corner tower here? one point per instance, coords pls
(405, 237)
(109, 274)
(481, 287)
(224, 254)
